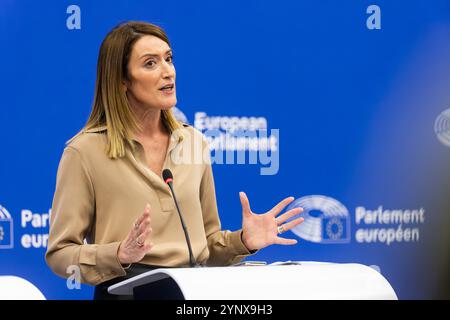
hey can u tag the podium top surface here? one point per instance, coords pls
(307, 280)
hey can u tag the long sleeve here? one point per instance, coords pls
(225, 247)
(72, 220)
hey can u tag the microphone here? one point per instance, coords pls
(168, 178)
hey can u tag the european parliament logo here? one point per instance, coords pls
(442, 127)
(6, 229)
(326, 220)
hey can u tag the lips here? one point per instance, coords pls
(167, 87)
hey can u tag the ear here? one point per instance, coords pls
(124, 86)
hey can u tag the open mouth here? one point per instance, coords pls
(167, 88)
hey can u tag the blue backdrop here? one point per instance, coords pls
(359, 91)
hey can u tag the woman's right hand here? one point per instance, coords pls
(137, 242)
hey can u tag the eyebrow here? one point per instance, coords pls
(153, 54)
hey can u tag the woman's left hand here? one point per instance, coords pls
(262, 230)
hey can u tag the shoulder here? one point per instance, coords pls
(194, 145)
(89, 142)
(192, 133)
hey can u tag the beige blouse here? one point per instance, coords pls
(97, 200)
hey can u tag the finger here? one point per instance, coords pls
(142, 239)
(145, 214)
(138, 243)
(281, 205)
(284, 241)
(245, 204)
(148, 246)
(148, 210)
(293, 223)
(148, 243)
(287, 215)
(145, 225)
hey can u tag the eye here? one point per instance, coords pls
(150, 63)
(169, 59)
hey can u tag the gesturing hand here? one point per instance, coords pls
(262, 230)
(137, 242)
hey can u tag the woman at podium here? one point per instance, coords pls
(113, 215)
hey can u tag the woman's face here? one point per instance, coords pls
(151, 75)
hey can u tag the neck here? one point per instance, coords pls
(149, 121)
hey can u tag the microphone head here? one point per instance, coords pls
(167, 175)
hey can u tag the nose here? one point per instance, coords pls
(168, 70)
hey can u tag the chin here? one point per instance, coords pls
(167, 107)
(168, 104)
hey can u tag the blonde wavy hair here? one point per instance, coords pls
(111, 108)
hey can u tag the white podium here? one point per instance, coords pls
(307, 280)
(16, 288)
